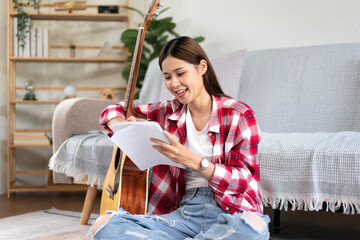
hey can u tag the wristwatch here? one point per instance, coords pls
(203, 165)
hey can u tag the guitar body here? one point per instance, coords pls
(126, 186)
(133, 196)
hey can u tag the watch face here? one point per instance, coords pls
(204, 163)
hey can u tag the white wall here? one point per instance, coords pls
(229, 26)
(261, 24)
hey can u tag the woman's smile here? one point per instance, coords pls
(181, 93)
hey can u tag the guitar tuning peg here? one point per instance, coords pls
(155, 15)
(160, 5)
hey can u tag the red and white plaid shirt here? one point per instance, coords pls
(235, 135)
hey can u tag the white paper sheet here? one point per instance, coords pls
(133, 138)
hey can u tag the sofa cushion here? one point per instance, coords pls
(228, 68)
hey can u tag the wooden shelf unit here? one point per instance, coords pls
(68, 59)
(12, 88)
(111, 17)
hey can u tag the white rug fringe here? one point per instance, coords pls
(313, 204)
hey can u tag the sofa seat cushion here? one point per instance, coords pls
(303, 170)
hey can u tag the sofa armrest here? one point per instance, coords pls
(76, 115)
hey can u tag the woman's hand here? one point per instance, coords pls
(118, 119)
(176, 152)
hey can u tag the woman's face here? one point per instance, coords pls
(184, 80)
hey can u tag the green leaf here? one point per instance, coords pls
(126, 72)
(174, 33)
(156, 36)
(129, 36)
(136, 10)
(24, 23)
(136, 95)
(165, 9)
(199, 39)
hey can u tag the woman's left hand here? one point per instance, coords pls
(177, 152)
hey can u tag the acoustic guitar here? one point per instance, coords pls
(125, 185)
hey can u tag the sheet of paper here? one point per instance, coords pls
(133, 138)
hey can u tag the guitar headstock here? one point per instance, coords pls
(153, 7)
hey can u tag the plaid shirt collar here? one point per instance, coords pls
(179, 115)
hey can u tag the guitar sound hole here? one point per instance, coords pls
(117, 158)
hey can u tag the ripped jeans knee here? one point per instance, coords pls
(123, 225)
(239, 226)
(99, 222)
(255, 221)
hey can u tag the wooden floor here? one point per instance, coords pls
(28, 202)
(298, 225)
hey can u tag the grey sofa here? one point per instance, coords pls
(307, 102)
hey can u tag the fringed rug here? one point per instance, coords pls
(47, 224)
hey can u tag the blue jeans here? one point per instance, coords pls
(198, 217)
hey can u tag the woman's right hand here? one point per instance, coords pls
(118, 119)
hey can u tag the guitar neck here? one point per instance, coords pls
(134, 192)
(131, 86)
(134, 73)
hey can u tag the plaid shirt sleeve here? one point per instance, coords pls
(110, 112)
(236, 179)
(155, 112)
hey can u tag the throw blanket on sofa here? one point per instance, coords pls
(307, 169)
(84, 155)
(298, 170)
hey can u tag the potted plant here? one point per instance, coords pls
(24, 23)
(156, 37)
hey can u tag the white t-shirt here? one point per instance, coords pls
(199, 143)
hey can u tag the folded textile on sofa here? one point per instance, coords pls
(304, 170)
(84, 155)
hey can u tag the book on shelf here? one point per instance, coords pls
(36, 42)
(16, 42)
(46, 45)
(24, 48)
(32, 40)
(39, 42)
(31, 138)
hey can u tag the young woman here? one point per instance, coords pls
(216, 138)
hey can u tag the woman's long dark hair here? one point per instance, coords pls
(187, 49)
